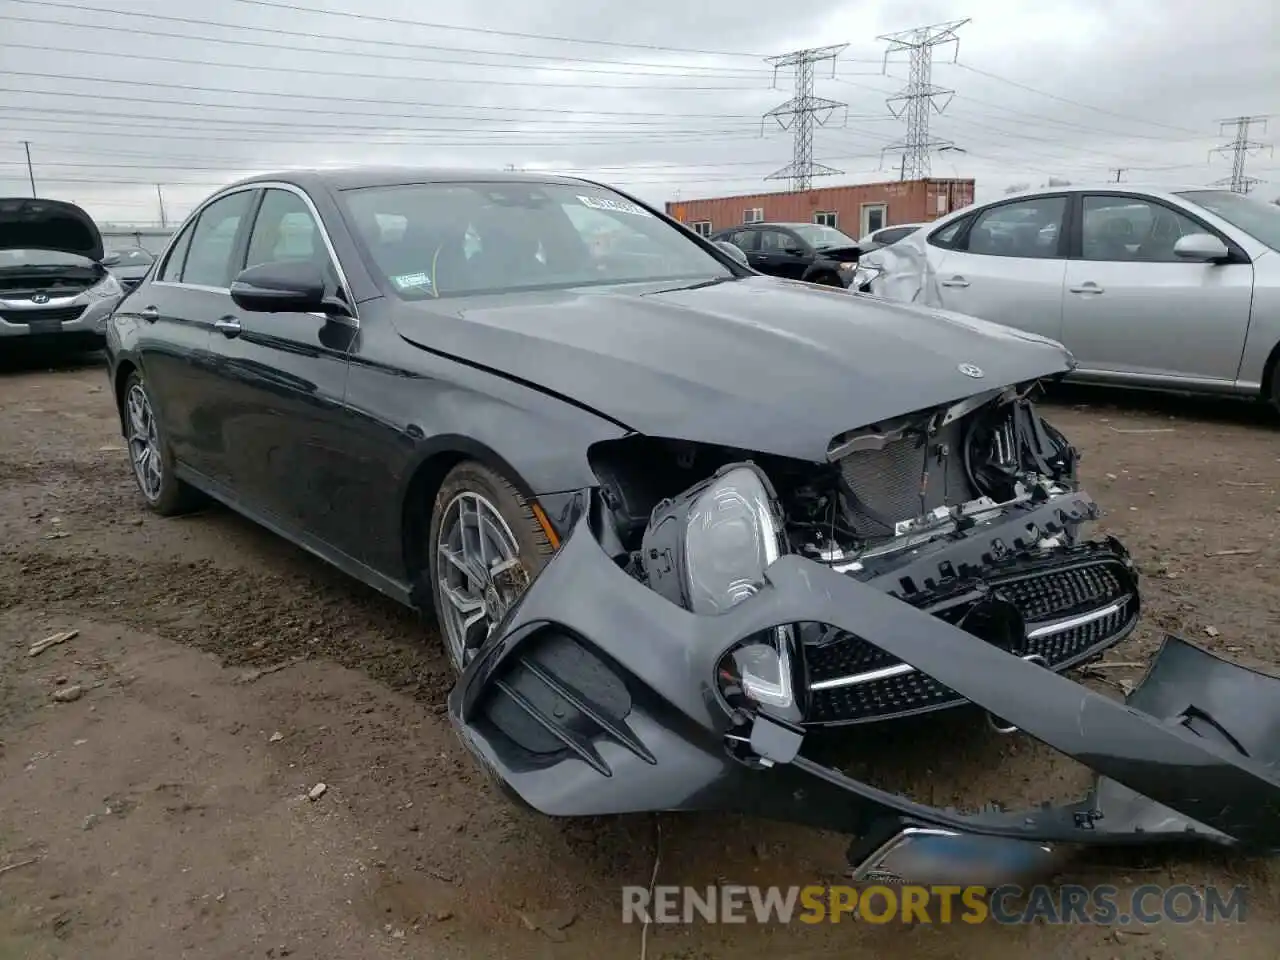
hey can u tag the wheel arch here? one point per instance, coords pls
(119, 378)
(821, 274)
(424, 480)
(1270, 371)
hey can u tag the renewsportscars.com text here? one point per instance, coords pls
(1103, 905)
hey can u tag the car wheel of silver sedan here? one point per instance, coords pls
(486, 545)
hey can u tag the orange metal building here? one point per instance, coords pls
(856, 209)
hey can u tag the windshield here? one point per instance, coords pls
(1260, 220)
(42, 258)
(818, 236)
(456, 239)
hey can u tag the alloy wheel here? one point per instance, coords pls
(479, 572)
(144, 443)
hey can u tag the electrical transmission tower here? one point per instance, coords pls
(1240, 148)
(801, 112)
(920, 96)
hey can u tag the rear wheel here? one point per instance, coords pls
(486, 546)
(150, 455)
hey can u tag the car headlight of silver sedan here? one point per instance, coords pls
(108, 287)
(863, 276)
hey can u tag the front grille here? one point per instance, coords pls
(56, 314)
(1043, 598)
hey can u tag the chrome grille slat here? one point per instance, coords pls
(1077, 611)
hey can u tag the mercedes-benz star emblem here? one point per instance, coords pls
(39, 298)
(971, 370)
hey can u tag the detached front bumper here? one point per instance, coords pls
(597, 696)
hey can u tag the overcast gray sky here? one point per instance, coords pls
(662, 98)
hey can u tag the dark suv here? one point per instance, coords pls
(798, 251)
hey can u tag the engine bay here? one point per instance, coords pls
(884, 489)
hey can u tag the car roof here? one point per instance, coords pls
(1154, 189)
(354, 178)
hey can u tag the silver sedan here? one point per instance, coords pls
(1153, 288)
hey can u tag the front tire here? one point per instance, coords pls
(485, 547)
(150, 454)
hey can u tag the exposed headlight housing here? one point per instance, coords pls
(864, 274)
(707, 550)
(107, 287)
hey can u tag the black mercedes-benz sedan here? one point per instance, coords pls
(674, 518)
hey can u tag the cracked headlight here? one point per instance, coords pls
(108, 287)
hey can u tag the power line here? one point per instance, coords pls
(491, 32)
(1076, 103)
(1240, 148)
(377, 42)
(327, 111)
(801, 112)
(526, 82)
(314, 134)
(403, 22)
(921, 95)
(204, 166)
(393, 121)
(202, 88)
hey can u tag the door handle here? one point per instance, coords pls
(1088, 287)
(149, 314)
(954, 282)
(227, 326)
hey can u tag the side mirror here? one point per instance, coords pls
(281, 286)
(1201, 247)
(733, 250)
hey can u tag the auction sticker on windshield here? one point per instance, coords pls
(614, 205)
(406, 280)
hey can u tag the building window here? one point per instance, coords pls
(753, 215)
(701, 227)
(874, 217)
(826, 218)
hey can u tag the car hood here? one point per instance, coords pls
(759, 364)
(28, 223)
(845, 252)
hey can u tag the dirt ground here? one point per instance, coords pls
(165, 810)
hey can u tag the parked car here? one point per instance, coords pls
(797, 251)
(672, 516)
(1153, 288)
(887, 235)
(54, 288)
(129, 265)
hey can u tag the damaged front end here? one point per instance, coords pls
(689, 638)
